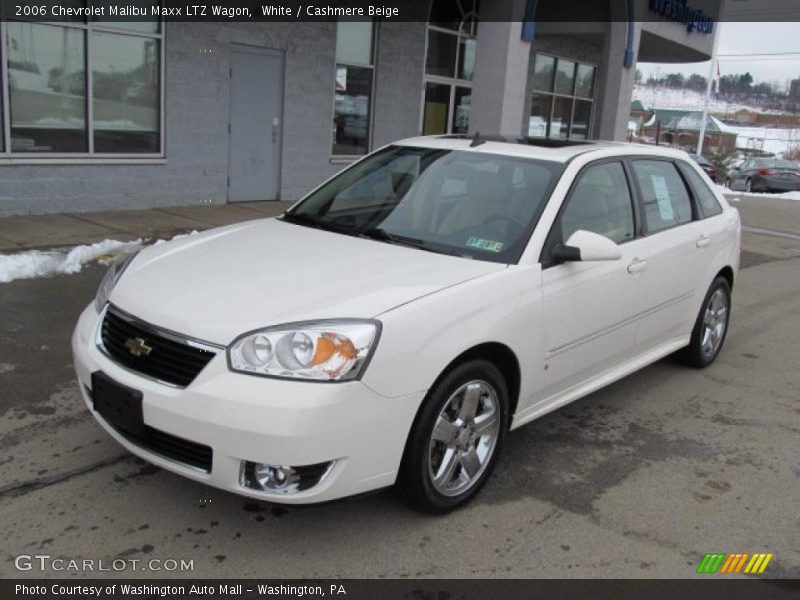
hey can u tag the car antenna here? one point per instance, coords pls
(476, 140)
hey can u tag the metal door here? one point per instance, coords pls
(255, 123)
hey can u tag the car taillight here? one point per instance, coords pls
(764, 172)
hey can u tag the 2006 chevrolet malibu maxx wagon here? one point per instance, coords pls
(392, 326)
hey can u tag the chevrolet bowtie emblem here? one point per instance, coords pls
(138, 347)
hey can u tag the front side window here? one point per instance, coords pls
(355, 66)
(600, 202)
(563, 98)
(50, 67)
(665, 198)
(470, 204)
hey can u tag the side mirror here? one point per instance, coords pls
(587, 246)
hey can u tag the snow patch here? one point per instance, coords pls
(36, 263)
(783, 196)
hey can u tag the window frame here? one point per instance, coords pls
(554, 234)
(88, 26)
(345, 158)
(551, 94)
(467, 30)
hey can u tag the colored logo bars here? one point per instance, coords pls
(720, 562)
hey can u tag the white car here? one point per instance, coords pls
(396, 323)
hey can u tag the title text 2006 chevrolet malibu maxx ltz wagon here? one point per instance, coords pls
(392, 326)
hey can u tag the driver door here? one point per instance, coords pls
(591, 308)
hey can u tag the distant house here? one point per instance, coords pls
(681, 129)
(640, 114)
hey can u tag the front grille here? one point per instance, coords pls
(161, 355)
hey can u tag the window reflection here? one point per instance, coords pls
(351, 111)
(125, 72)
(47, 88)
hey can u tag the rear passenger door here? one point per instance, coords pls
(675, 241)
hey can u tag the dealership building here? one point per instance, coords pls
(103, 115)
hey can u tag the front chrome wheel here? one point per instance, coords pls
(464, 438)
(715, 320)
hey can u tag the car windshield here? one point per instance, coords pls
(466, 203)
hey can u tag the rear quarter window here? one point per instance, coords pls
(706, 199)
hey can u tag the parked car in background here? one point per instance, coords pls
(706, 165)
(764, 175)
(421, 303)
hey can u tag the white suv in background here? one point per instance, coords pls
(393, 326)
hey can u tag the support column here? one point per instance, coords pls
(501, 72)
(616, 90)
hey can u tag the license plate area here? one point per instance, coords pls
(118, 404)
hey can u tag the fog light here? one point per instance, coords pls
(282, 479)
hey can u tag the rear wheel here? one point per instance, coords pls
(456, 438)
(710, 327)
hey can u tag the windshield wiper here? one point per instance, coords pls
(380, 234)
(315, 223)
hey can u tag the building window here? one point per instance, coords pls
(449, 67)
(563, 98)
(353, 87)
(81, 89)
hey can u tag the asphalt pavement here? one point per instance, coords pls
(640, 479)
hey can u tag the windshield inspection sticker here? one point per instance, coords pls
(483, 244)
(662, 197)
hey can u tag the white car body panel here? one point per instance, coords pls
(572, 328)
(204, 286)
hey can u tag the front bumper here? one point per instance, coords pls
(257, 419)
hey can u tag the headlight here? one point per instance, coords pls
(318, 350)
(110, 280)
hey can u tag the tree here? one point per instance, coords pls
(697, 83)
(675, 80)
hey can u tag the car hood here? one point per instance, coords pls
(216, 285)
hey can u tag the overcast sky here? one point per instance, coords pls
(747, 38)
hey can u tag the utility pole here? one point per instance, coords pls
(711, 69)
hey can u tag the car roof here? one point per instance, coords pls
(562, 151)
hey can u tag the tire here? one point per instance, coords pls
(445, 416)
(748, 186)
(708, 335)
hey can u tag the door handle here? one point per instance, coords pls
(637, 265)
(275, 125)
(702, 241)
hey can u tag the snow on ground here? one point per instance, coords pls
(768, 139)
(38, 263)
(784, 196)
(676, 99)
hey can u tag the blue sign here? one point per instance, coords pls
(680, 11)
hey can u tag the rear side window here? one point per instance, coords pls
(665, 199)
(600, 202)
(709, 205)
